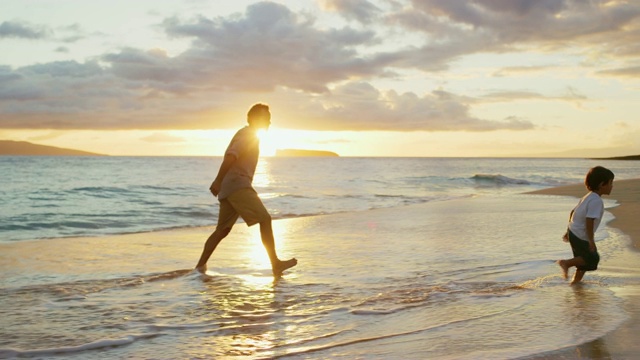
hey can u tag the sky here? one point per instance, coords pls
(436, 78)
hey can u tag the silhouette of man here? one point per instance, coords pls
(233, 187)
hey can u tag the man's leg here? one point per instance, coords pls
(247, 203)
(209, 246)
(227, 217)
(277, 265)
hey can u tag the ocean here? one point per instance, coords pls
(439, 258)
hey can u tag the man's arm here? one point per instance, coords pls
(227, 162)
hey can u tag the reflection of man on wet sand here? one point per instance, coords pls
(237, 197)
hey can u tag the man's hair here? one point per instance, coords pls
(256, 110)
(597, 176)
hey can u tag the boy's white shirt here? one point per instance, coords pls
(590, 206)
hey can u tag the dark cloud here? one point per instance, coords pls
(456, 28)
(269, 46)
(21, 30)
(533, 20)
(152, 66)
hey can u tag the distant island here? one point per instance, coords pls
(24, 148)
(299, 152)
(630, 157)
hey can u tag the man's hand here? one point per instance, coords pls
(215, 187)
(592, 246)
(565, 237)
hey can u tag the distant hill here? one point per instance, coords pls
(299, 152)
(9, 147)
(630, 157)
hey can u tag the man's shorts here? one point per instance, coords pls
(581, 248)
(243, 203)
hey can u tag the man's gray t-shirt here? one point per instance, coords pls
(245, 146)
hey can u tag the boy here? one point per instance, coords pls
(583, 223)
(237, 197)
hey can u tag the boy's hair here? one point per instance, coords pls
(257, 110)
(597, 176)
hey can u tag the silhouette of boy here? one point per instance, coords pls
(583, 223)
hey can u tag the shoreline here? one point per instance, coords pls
(622, 342)
(625, 192)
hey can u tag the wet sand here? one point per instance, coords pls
(623, 342)
(155, 252)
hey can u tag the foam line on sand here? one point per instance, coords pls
(621, 343)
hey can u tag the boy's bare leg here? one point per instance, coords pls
(577, 277)
(277, 266)
(210, 245)
(565, 265)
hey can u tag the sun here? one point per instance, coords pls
(266, 143)
(272, 140)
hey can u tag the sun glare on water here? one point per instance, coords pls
(257, 257)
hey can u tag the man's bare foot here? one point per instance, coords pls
(201, 269)
(281, 266)
(564, 267)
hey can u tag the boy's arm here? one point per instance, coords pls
(591, 235)
(227, 162)
(565, 237)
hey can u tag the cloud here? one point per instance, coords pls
(316, 72)
(571, 95)
(522, 70)
(360, 10)
(360, 106)
(269, 46)
(456, 28)
(22, 30)
(627, 72)
(534, 20)
(71, 95)
(71, 33)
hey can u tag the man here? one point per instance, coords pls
(237, 197)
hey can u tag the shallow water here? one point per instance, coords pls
(462, 279)
(52, 197)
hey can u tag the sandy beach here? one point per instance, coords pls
(623, 342)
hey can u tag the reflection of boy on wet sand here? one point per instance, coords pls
(237, 197)
(583, 223)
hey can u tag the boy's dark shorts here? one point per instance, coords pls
(581, 248)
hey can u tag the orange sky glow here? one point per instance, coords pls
(357, 77)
